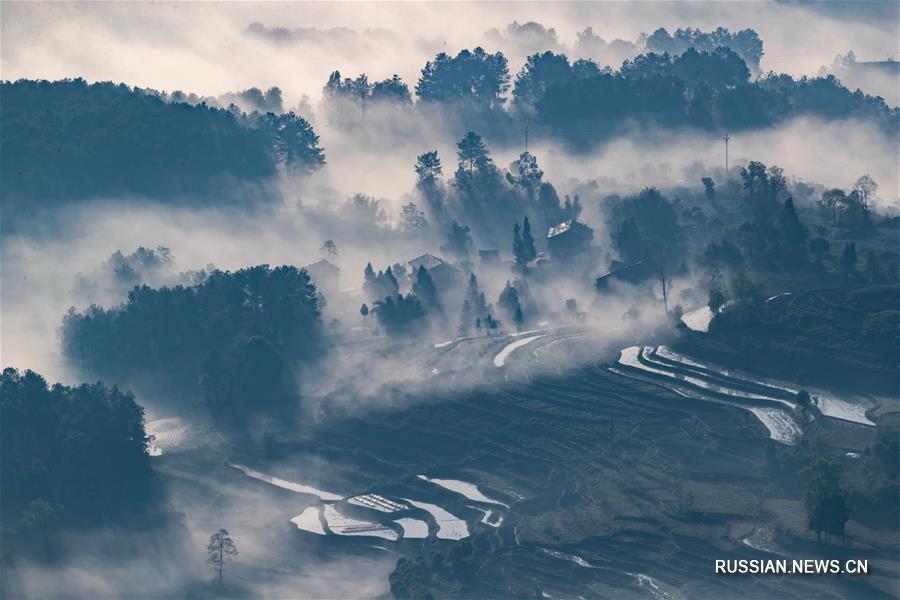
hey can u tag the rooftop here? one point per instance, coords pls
(428, 261)
(321, 265)
(559, 229)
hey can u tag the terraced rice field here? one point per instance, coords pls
(641, 483)
(610, 480)
(773, 403)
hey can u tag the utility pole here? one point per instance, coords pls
(526, 138)
(662, 278)
(362, 104)
(726, 138)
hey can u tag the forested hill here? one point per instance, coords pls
(72, 455)
(68, 139)
(579, 102)
(708, 91)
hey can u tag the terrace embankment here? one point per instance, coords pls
(614, 484)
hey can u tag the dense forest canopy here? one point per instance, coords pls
(238, 326)
(477, 77)
(74, 455)
(699, 86)
(70, 139)
(745, 43)
(709, 91)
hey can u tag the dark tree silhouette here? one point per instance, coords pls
(745, 43)
(831, 200)
(509, 303)
(526, 174)
(804, 399)
(827, 503)
(701, 87)
(709, 188)
(471, 152)
(518, 248)
(425, 290)
(523, 245)
(465, 319)
(428, 167)
(159, 338)
(329, 249)
(428, 173)
(220, 550)
(360, 91)
(865, 188)
(294, 142)
(539, 72)
(72, 456)
(368, 279)
(459, 242)
(475, 77)
(793, 235)
(628, 241)
(478, 307)
(530, 253)
(105, 140)
(848, 258)
(245, 381)
(400, 315)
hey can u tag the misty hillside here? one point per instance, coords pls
(69, 140)
(466, 300)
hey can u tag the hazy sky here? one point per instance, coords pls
(203, 47)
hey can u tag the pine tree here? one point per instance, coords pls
(527, 175)
(425, 289)
(476, 299)
(369, 281)
(428, 167)
(219, 550)
(393, 287)
(364, 311)
(472, 291)
(465, 319)
(793, 234)
(848, 258)
(481, 305)
(509, 300)
(528, 242)
(519, 247)
(469, 151)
